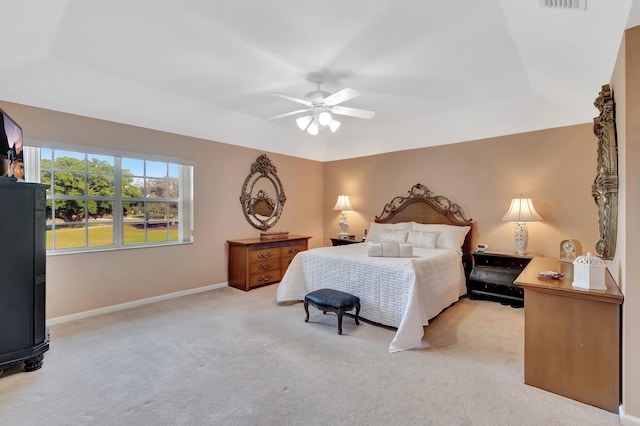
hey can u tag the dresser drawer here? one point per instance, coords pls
(288, 253)
(291, 251)
(263, 267)
(268, 254)
(264, 278)
(284, 264)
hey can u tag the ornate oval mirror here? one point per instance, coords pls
(262, 196)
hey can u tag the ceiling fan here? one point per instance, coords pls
(320, 106)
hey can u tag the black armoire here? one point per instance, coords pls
(23, 333)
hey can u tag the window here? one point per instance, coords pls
(97, 201)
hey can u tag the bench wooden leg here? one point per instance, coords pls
(357, 312)
(306, 309)
(340, 313)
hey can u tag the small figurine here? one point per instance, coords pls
(11, 155)
(18, 166)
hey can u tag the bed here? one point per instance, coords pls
(400, 292)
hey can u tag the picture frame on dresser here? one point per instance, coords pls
(10, 148)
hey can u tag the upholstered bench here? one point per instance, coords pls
(329, 300)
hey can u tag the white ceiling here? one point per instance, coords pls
(434, 71)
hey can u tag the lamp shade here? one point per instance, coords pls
(343, 203)
(313, 128)
(521, 210)
(303, 122)
(324, 118)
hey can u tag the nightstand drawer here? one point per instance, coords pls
(493, 275)
(343, 242)
(501, 261)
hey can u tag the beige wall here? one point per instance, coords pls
(85, 281)
(631, 389)
(554, 167)
(626, 89)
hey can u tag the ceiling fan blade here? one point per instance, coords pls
(353, 112)
(291, 98)
(340, 97)
(287, 114)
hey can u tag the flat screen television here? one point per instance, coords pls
(10, 143)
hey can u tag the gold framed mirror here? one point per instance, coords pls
(262, 197)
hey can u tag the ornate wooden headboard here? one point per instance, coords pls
(422, 206)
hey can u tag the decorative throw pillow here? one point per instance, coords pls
(450, 237)
(423, 239)
(398, 235)
(377, 229)
(389, 249)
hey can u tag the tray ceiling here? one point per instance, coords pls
(435, 72)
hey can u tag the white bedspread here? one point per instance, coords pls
(399, 292)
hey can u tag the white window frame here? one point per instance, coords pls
(185, 199)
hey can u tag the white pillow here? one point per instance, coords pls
(389, 249)
(423, 239)
(378, 230)
(398, 235)
(450, 237)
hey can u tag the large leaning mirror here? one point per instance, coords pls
(605, 184)
(262, 196)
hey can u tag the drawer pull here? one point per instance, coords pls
(265, 277)
(266, 255)
(294, 251)
(265, 266)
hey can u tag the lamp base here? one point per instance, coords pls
(521, 238)
(344, 227)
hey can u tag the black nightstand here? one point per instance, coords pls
(492, 277)
(340, 242)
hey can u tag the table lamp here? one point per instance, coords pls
(520, 212)
(343, 204)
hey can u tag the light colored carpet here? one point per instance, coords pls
(227, 357)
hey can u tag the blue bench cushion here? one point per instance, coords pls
(332, 298)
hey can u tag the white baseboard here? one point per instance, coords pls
(628, 420)
(127, 305)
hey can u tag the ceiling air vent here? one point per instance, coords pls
(565, 4)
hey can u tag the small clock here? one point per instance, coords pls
(570, 249)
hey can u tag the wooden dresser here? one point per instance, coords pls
(571, 336)
(254, 262)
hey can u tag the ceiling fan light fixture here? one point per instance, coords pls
(303, 122)
(324, 118)
(313, 128)
(321, 107)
